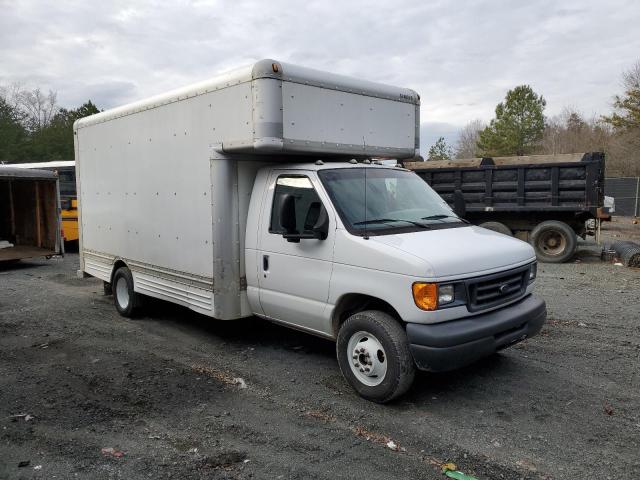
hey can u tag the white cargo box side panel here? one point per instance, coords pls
(326, 120)
(145, 191)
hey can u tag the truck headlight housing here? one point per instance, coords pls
(446, 294)
(533, 271)
(429, 296)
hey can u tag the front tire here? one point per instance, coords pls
(374, 357)
(126, 300)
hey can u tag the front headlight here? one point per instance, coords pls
(445, 294)
(533, 271)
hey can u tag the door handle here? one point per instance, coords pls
(265, 264)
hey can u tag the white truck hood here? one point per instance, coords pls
(465, 251)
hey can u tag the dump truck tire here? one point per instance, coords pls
(553, 241)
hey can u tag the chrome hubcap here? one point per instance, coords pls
(367, 358)
(122, 293)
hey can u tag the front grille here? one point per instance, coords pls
(493, 290)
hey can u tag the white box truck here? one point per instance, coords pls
(254, 194)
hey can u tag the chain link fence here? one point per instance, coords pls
(626, 192)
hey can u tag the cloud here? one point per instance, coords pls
(461, 57)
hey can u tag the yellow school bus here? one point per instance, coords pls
(68, 194)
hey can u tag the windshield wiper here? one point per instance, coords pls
(389, 220)
(441, 216)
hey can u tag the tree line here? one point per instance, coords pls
(34, 128)
(521, 128)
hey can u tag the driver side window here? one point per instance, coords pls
(306, 203)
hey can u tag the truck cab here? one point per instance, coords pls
(372, 257)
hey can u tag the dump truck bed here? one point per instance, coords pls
(540, 183)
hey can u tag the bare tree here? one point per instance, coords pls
(623, 155)
(11, 94)
(467, 144)
(38, 107)
(631, 78)
(569, 132)
(34, 107)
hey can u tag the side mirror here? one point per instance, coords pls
(459, 206)
(321, 227)
(288, 214)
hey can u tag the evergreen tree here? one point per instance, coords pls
(13, 135)
(627, 114)
(440, 150)
(518, 126)
(54, 141)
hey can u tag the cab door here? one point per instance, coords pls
(294, 276)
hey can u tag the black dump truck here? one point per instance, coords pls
(547, 200)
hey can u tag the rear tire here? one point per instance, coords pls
(497, 227)
(554, 241)
(126, 300)
(375, 341)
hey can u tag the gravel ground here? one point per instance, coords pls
(164, 391)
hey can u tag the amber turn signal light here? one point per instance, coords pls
(425, 295)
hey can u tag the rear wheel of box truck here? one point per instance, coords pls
(373, 355)
(126, 300)
(554, 241)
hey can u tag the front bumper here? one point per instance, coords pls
(454, 344)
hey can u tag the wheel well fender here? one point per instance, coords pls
(116, 265)
(351, 303)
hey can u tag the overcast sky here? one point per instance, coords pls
(460, 56)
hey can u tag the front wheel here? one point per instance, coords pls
(373, 355)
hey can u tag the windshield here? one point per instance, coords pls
(395, 200)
